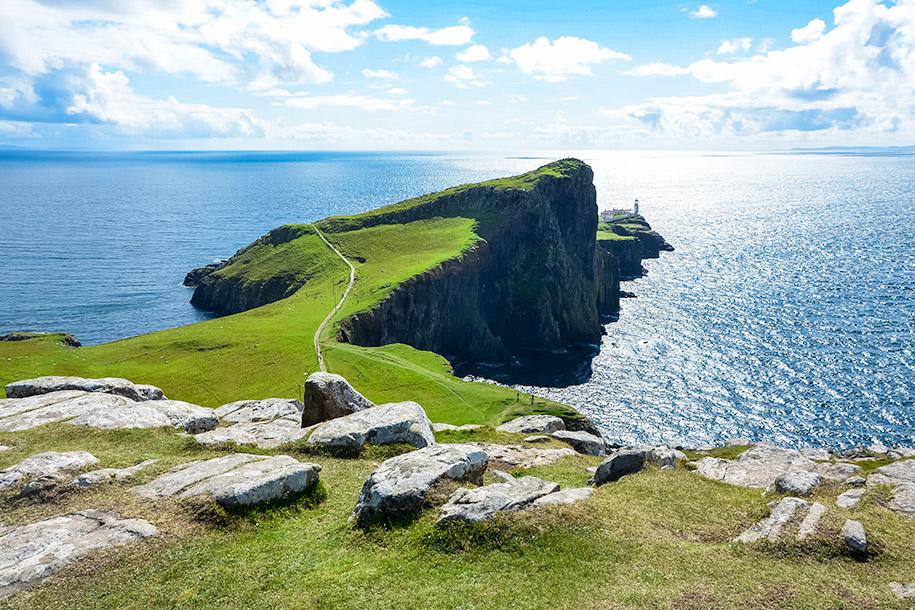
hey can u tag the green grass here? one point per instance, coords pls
(613, 236)
(656, 539)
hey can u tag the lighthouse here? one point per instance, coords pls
(635, 208)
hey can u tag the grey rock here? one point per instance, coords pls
(903, 500)
(619, 464)
(811, 522)
(517, 456)
(400, 484)
(106, 385)
(817, 454)
(800, 483)
(14, 406)
(40, 485)
(678, 455)
(537, 438)
(564, 496)
(854, 535)
(737, 442)
(771, 527)
(533, 424)
(893, 455)
(109, 474)
(756, 467)
(902, 591)
(906, 452)
(5, 447)
(480, 504)
(839, 471)
(451, 427)
(266, 410)
(46, 464)
(30, 553)
(328, 396)
(268, 435)
(850, 498)
(186, 475)
(878, 449)
(893, 474)
(665, 457)
(857, 481)
(256, 482)
(582, 442)
(398, 422)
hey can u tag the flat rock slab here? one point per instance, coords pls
(480, 504)
(564, 496)
(452, 427)
(400, 484)
(101, 410)
(903, 500)
(771, 527)
(105, 385)
(533, 424)
(812, 521)
(328, 396)
(518, 456)
(46, 464)
(582, 442)
(801, 483)
(902, 591)
(850, 498)
(109, 474)
(756, 467)
(397, 422)
(30, 553)
(266, 410)
(237, 479)
(893, 474)
(268, 435)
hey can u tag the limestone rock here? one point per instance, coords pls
(905, 452)
(451, 427)
(517, 456)
(737, 442)
(857, 481)
(400, 484)
(397, 422)
(665, 457)
(771, 527)
(45, 464)
(850, 498)
(817, 454)
(756, 467)
(564, 496)
(328, 396)
(537, 438)
(903, 500)
(14, 406)
(837, 472)
(106, 385)
(812, 521)
(893, 474)
(30, 553)
(186, 475)
(256, 482)
(854, 535)
(109, 474)
(902, 591)
(798, 483)
(582, 442)
(267, 435)
(266, 410)
(619, 464)
(480, 504)
(533, 424)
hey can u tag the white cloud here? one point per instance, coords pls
(477, 52)
(396, 91)
(387, 74)
(483, 103)
(455, 35)
(859, 76)
(810, 32)
(463, 76)
(362, 102)
(657, 69)
(430, 62)
(730, 47)
(703, 12)
(562, 58)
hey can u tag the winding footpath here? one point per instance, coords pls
(352, 278)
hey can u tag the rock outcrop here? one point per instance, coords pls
(481, 503)
(266, 423)
(397, 422)
(47, 464)
(103, 475)
(328, 396)
(582, 442)
(105, 385)
(532, 424)
(30, 553)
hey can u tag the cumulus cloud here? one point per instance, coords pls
(562, 58)
(430, 62)
(396, 91)
(657, 69)
(477, 52)
(386, 74)
(455, 35)
(860, 75)
(463, 77)
(735, 45)
(703, 12)
(348, 100)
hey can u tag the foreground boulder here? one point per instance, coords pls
(264, 410)
(582, 442)
(328, 396)
(480, 504)
(619, 464)
(266, 423)
(533, 424)
(400, 485)
(798, 483)
(105, 385)
(761, 465)
(397, 422)
(901, 477)
(237, 479)
(48, 464)
(101, 410)
(854, 535)
(516, 456)
(30, 553)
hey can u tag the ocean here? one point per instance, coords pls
(786, 313)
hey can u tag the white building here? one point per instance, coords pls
(619, 213)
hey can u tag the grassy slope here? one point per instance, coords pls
(657, 539)
(267, 351)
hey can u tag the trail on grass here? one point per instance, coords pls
(352, 278)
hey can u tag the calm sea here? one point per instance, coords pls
(786, 313)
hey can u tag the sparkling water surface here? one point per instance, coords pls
(787, 311)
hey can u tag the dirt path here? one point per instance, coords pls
(352, 278)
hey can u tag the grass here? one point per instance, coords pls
(603, 235)
(656, 539)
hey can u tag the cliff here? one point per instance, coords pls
(631, 240)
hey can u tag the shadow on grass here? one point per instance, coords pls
(205, 510)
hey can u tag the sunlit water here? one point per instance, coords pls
(787, 311)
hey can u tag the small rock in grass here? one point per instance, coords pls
(533, 424)
(564, 496)
(537, 438)
(851, 498)
(902, 591)
(856, 481)
(582, 442)
(618, 465)
(797, 483)
(854, 535)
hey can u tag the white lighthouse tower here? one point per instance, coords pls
(635, 208)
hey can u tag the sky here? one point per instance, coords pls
(476, 75)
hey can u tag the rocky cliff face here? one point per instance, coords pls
(629, 254)
(538, 283)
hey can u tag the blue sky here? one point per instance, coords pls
(506, 76)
